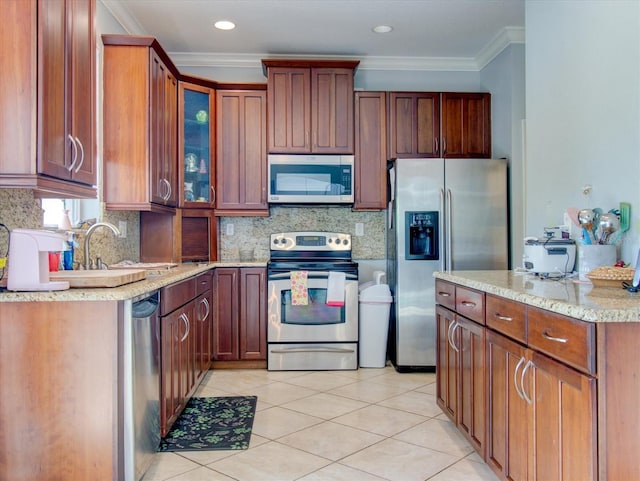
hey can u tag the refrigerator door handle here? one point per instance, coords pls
(441, 232)
(449, 231)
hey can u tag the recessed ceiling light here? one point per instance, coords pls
(382, 29)
(224, 25)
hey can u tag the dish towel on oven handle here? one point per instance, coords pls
(299, 292)
(335, 289)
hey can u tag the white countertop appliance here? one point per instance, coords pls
(548, 256)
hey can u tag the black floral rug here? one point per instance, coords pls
(212, 423)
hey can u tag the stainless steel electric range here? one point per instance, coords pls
(315, 335)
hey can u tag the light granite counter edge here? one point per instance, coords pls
(578, 300)
(156, 279)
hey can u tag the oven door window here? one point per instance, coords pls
(315, 313)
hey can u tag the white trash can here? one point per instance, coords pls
(374, 306)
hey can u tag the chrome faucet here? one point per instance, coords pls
(87, 237)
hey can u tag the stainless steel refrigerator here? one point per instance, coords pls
(444, 214)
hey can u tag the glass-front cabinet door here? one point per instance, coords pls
(197, 111)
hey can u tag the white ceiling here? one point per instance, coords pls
(427, 34)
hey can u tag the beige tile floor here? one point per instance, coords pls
(364, 425)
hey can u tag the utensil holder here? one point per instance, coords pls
(591, 256)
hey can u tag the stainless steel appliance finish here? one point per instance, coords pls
(316, 336)
(457, 207)
(310, 179)
(141, 384)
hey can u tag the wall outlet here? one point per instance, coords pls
(122, 227)
(359, 229)
(230, 229)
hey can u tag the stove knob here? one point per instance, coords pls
(345, 241)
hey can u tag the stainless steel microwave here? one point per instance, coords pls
(310, 179)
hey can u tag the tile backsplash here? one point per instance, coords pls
(253, 232)
(20, 209)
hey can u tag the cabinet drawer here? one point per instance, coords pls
(568, 340)
(507, 317)
(176, 295)
(203, 283)
(470, 304)
(446, 294)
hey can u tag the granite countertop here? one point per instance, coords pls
(156, 279)
(574, 298)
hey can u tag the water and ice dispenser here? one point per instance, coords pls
(422, 235)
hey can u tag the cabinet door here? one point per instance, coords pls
(563, 421)
(225, 295)
(241, 154)
(414, 124)
(466, 125)
(332, 110)
(203, 315)
(447, 363)
(507, 430)
(171, 331)
(56, 148)
(196, 108)
(471, 387)
(289, 98)
(82, 91)
(253, 314)
(163, 125)
(370, 151)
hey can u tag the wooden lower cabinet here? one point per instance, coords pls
(541, 415)
(447, 372)
(240, 314)
(461, 377)
(185, 336)
(507, 439)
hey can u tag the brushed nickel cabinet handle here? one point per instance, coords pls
(515, 378)
(452, 328)
(444, 294)
(548, 336)
(436, 144)
(468, 304)
(75, 152)
(503, 318)
(81, 156)
(524, 373)
(204, 302)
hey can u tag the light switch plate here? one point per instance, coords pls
(359, 229)
(230, 229)
(122, 227)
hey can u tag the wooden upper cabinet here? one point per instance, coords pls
(414, 124)
(241, 153)
(140, 125)
(310, 106)
(48, 119)
(370, 151)
(289, 99)
(466, 125)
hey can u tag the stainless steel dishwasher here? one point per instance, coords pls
(141, 384)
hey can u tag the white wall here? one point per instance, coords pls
(583, 110)
(504, 77)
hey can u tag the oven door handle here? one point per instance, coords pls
(275, 276)
(312, 349)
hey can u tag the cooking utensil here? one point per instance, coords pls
(608, 224)
(585, 218)
(625, 222)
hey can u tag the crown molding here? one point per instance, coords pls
(227, 60)
(122, 15)
(508, 36)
